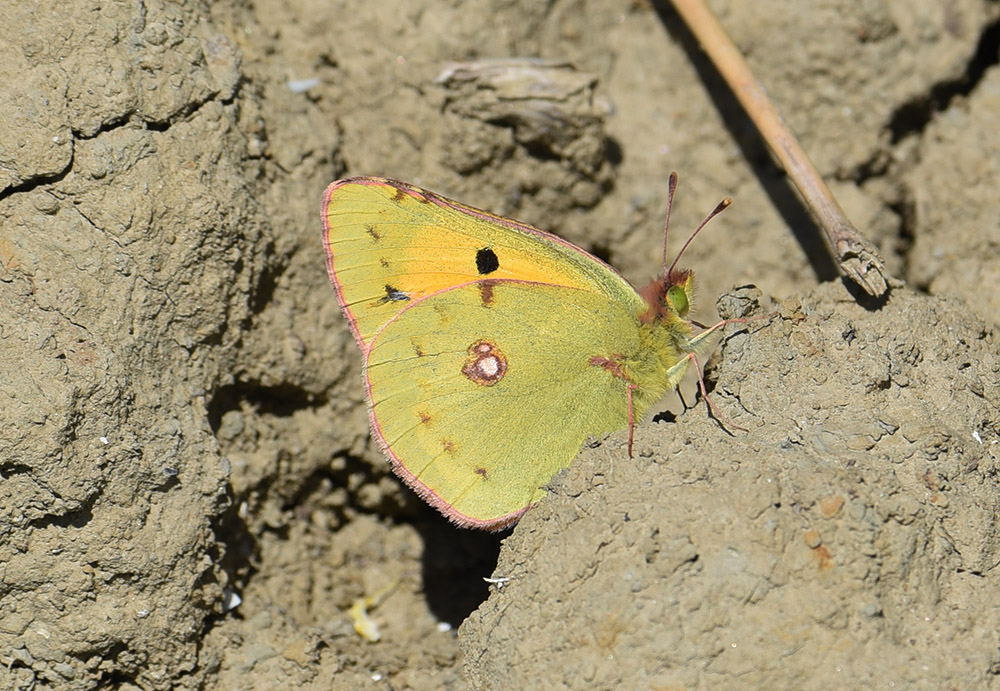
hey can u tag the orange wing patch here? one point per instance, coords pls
(392, 244)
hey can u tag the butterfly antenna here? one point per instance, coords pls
(715, 212)
(671, 188)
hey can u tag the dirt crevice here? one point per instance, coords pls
(912, 117)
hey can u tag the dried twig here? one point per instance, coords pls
(857, 256)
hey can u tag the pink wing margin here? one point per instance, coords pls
(338, 289)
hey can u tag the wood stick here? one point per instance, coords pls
(857, 256)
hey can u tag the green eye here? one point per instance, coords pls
(678, 300)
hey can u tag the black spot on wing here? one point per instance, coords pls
(486, 261)
(393, 295)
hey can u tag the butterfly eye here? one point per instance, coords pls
(677, 300)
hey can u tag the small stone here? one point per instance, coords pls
(231, 425)
(830, 505)
(64, 669)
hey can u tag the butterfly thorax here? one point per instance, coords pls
(665, 339)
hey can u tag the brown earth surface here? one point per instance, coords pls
(182, 419)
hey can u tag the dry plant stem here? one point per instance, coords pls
(857, 256)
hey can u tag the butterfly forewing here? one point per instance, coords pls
(389, 244)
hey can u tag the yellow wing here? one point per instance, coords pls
(477, 405)
(389, 243)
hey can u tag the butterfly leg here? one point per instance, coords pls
(709, 330)
(704, 392)
(696, 342)
(684, 403)
(675, 374)
(631, 417)
(613, 364)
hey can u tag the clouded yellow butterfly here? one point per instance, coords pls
(492, 349)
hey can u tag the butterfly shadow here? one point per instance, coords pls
(455, 562)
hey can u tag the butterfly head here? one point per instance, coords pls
(668, 297)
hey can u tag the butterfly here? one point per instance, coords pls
(493, 349)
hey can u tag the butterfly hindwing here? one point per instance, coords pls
(480, 394)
